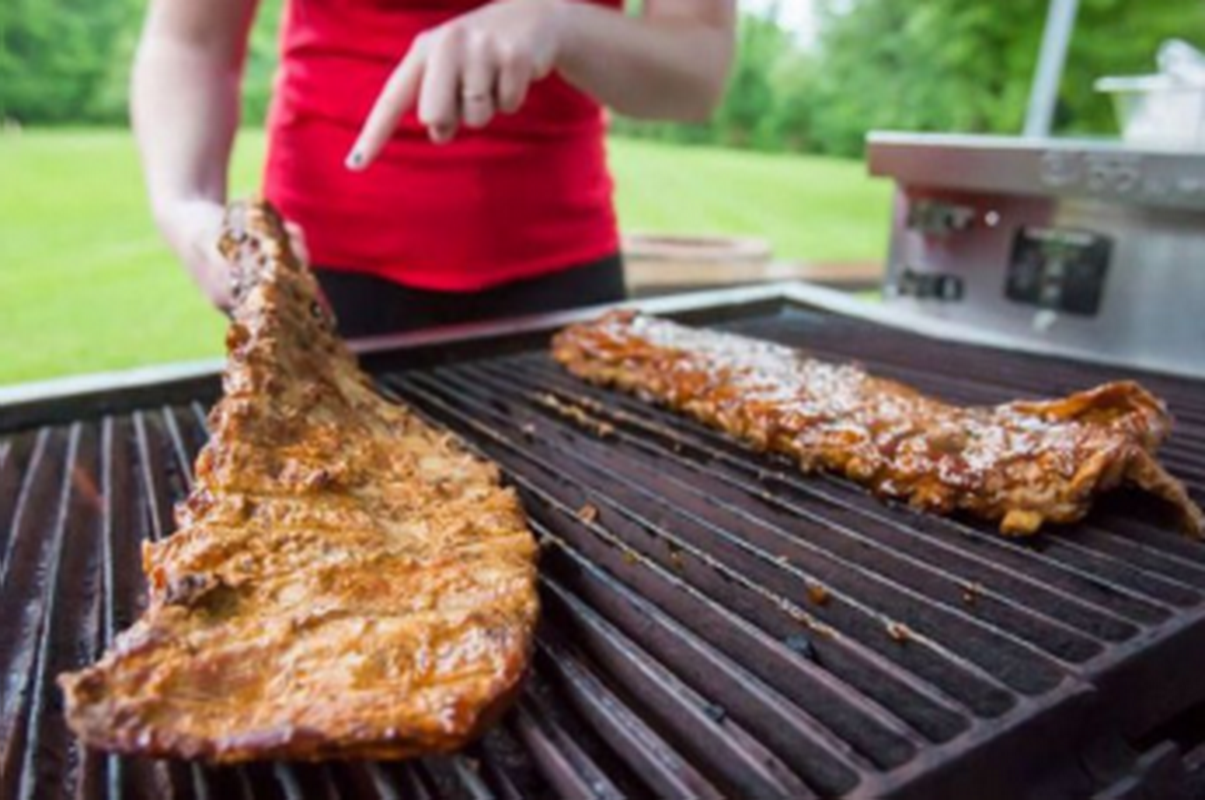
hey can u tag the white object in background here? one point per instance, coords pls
(1166, 109)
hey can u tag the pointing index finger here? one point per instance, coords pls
(398, 97)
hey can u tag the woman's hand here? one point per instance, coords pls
(192, 228)
(465, 72)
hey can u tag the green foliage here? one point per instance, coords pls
(750, 91)
(954, 65)
(951, 65)
(767, 103)
(56, 54)
(1119, 37)
(929, 65)
(68, 61)
(260, 68)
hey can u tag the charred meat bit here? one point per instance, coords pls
(588, 513)
(899, 632)
(818, 594)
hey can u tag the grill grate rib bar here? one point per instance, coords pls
(498, 778)
(288, 781)
(185, 453)
(828, 539)
(716, 742)
(798, 549)
(989, 699)
(32, 499)
(21, 455)
(415, 784)
(779, 662)
(666, 678)
(36, 548)
(717, 621)
(130, 519)
(850, 615)
(362, 780)
(467, 776)
(971, 688)
(566, 767)
(1024, 559)
(758, 708)
(68, 590)
(666, 772)
(1034, 556)
(1147, 579)
(718, 676)
(217, 783)
(1176, 550)
(154, 477)
(881, 736)
(1092, 537)
(115, 523)
(979, 690)
(382, 786)
(508, 765)
(545, 370)
(453, 778)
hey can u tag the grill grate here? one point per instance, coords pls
(716, 623)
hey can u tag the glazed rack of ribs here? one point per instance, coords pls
(1021, 463)
(345, 580)
(714, 622)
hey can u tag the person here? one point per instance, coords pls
(445, 159)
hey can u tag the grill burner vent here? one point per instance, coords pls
(716, 623)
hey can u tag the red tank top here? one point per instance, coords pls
(528, 195)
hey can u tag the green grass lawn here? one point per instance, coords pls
(86, 285)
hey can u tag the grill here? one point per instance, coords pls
(716, 624)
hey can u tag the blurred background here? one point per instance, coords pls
(86, 284)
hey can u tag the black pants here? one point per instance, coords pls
(366, 305)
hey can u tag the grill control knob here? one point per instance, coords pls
(934, 218)
(930, 286)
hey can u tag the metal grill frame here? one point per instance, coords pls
(1066, 726)
(66, 399)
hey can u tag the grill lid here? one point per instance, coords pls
(716, 623)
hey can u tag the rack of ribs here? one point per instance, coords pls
(1021, 463)
(346, 580)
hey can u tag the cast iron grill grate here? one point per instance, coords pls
(716, 623)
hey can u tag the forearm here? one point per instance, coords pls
(184, 106)
(662, 66)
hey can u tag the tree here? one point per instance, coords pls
(750, 98)
(68, 61)
(949, 65)
(952, 65)
(262, 56)
(55, 55)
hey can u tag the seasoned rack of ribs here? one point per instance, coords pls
(1021, 463)
(346, 580)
